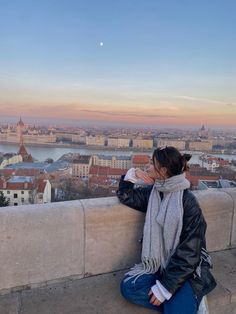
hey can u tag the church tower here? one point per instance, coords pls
(22, 150)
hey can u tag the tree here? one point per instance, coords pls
(3, 200)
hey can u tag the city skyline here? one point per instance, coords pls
(126, 62)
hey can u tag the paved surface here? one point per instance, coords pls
(100, 294)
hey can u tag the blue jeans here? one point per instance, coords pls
(182, 302)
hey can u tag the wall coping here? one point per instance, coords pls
(46, 243)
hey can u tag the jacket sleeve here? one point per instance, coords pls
(186, 258)
(136, 198)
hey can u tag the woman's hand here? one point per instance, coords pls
(144, 176)
(153, 299)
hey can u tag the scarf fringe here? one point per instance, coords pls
(147, 266)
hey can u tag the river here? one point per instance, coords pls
(41, 153)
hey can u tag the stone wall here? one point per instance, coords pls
(47, 243)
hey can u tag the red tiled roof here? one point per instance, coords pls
(218, 160)
(195, 178)
(140, 159)
(98, 170)
(27, 172)
(16, 185)
(23, 152)
(7, 172)
(105, 171)
(224, 162)
(41, 185)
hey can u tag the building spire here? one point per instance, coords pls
(21, 139)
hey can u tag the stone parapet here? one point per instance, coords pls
(42, 244)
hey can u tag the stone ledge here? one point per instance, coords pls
(100, 294)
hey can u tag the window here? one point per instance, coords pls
(22, 199)
(15, 204)
(22, 192)
(8, 192)
(15, 195)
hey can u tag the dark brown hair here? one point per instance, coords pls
(170, 158)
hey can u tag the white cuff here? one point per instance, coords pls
(130, 176)
(160, 292)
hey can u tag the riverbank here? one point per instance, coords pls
(109, 148)
(81, 146)
(43, 151)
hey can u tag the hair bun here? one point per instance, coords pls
(186, 157)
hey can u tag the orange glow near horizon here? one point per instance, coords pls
(165, 113)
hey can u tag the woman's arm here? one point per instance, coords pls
(136, 198)
(186, 258)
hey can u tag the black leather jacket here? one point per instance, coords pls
(190, 260)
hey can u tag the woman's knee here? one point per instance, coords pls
(128, 289)
(124, 289)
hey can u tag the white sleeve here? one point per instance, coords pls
(160, 292)
(130, 176)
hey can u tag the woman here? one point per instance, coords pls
(173, 275)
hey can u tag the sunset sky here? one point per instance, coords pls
(138, 62)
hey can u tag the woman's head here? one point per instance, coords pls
(169, 162)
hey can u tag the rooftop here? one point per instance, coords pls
(221, 183)
(82, 159)
(140, 159)
(106, 171)
(109, 157)
(20, 179)
(40, 166)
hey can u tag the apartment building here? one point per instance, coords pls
(96, 140)
(122, 162)
(79, 138)
(179, 144)
(21, 190)
(111, 173)
(9, 159)
(200, 145)
(118, 142)
(14, 137)
(81, 166)
(142, 143)
(140, 161)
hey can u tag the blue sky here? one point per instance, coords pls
(170, 62)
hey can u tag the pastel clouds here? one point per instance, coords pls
(163, 113)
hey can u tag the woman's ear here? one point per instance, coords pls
(164, 172)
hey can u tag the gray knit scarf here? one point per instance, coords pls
(163, 225)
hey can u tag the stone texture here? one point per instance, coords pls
(58, 241)
(41, 243)
(218, 297)
(9, 304)
(232, 193)
(94, 295)
(217, 207)
(100, 294)
(225, 271)
(112, 236)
